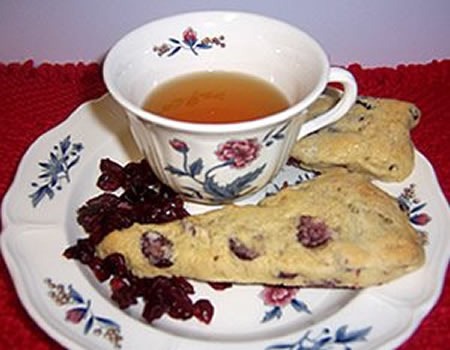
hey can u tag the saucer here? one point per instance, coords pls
(58, 174)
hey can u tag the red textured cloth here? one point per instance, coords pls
(35, 99)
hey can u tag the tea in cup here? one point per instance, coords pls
(216, 100)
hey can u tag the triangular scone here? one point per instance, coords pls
(337, 230)
(373, 138)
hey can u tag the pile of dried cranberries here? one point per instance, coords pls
(133, 194)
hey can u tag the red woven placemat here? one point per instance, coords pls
(35, 99)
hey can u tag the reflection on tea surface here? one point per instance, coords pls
(215, 97)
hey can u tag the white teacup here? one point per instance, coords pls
(218, 163)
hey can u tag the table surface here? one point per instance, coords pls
(33, 100)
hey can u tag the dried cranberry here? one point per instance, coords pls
(168, 294)
(156, 286)
(125, 296)
(241, 251)
(312, 232)
(112, 176)
(203, 310)
(116, 264)
(287, 275)
(116, 284)
(220, 285)
(157, 249)
(100, 270)
(183, 284)
(144, 199)
(83, 251)
(103, 214)
(180, 306)
(140, 182)
(153, 311)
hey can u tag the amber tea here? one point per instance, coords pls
(215, 97)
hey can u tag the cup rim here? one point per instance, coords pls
(216, 128)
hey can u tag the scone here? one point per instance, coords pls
(337, 230)
(373, 138)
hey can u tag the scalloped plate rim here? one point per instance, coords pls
(9, 228)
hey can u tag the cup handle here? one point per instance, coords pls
(348, 98)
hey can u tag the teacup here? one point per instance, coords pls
(219, 163)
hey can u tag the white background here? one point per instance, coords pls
(369, 32)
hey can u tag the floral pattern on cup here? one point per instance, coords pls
(275, 135)
(79, 312)
(231, 154)
(280, 297)
(238, 153)
(189, 41)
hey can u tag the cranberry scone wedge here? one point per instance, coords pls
(337, 230)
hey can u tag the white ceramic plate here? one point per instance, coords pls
(68, 303)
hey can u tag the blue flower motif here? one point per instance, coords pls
(413, 206)
(325, 340)
(79, 312)
(56, 169)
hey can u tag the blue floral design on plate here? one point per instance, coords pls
(301, 175)
(280, 297)
(190, 42)
(326, 340)
(413, 206)
(79, 311)
(56, 169)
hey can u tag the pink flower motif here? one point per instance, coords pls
(420, 219)
(189, 36)
(75, 315)
(179, 145)
(239, 152)
(278, 296)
